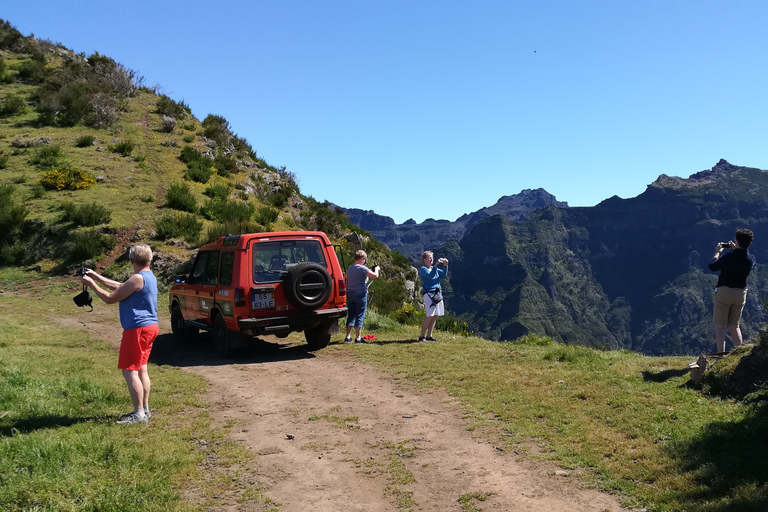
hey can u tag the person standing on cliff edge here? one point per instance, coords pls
(731, 290)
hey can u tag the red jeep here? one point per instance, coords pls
(243, 286)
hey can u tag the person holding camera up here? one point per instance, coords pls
(433, 296)
(731, 290)
(137, 298)
(357, 294)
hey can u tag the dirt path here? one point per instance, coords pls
(333, 434)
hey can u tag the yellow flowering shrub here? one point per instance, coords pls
(67, 178)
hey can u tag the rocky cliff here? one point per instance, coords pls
(629, 273)
(411, 238)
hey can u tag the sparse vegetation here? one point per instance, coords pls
(168, 107)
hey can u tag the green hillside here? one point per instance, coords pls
(92, 160)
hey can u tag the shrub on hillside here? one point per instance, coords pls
(12, 105)
(233, 228)
(408, 315)
(124, 148)
(16, 253)
(67, 178)
(12, 214)
(46, 157)
(198, 171)
(168, 124)
(225, 164)
(179, 197)
(189, 154)
(31, 71)
(85, 215)
(3, 161)
(102, 111)
(86, 245)
(179, 225)
(266, 215)
(225, 210)
(85, 141)
(188, 138)
(168, 107)
(217, 192)
(217, 128)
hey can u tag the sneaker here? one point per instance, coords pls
(132, 419)
(347, 340)
(430, 338)
(421, 338)
(359, 340)
(147, 413)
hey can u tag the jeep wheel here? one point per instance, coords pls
(318, 337)
(222, 338)
(181, 330)
(307, 286)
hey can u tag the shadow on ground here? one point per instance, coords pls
(167, 350)
(664, 375)
(32, 423)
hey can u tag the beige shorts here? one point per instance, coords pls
(729, 303)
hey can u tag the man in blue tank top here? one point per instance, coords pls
(137, 298)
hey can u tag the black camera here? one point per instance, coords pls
(81, 272)
(725, 245)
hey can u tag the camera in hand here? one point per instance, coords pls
(81, 272)
(725, 245)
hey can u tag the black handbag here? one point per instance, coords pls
(84, 299)
(437, 297)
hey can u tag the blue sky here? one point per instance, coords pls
(420, 109)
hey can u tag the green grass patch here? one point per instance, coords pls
(630, 424)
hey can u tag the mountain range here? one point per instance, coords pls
(624, 274)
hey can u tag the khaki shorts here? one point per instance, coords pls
(729, 303)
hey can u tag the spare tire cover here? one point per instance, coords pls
(307, 285)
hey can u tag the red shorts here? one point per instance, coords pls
(136, 346)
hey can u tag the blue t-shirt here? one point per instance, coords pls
(430, 277)
(357, 281)
(140, 308)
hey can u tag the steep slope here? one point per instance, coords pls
(627, 272)
(411, 239)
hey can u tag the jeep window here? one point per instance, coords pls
(273, 259)
(226, 267)
(198, 271)
(212, 268)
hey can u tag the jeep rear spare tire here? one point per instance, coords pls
(307, 286)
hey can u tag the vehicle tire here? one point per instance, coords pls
(307, 286)
(222, 338)
(318, 337)
(181, 330)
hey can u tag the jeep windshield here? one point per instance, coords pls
(272, 259)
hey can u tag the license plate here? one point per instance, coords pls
(262, 300)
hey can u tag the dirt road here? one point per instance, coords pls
(333, 434)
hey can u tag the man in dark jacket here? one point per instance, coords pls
(731, 291)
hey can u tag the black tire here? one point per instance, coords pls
(181, 330)
(222, 338)
(318, 337)
(307, 286)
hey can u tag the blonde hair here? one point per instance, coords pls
(360, 255)
(140, 254)
(427, 253)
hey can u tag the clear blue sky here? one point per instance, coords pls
(420, 109)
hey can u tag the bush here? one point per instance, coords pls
(14, 254)
(188, 138)
(225, 165)
(46, 157)
(233, 228)
(198, 171)
(188, 127)
(37, 191)
(220, 192)
(85, 141)
(217, 128)
(408, 314)
(227, 211)
(180, 225)
(102, 111)
(124, 148)
(166, 106)
(87, 245)
(12, 105)
(266, 215)
(3, 161)
(453, 325)
(67, 178)
(189, 154)
(12, 215)
(179, 197)
(168, 124)
(86, 215)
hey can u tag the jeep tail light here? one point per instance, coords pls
(342, 287)
(239, 297)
